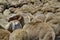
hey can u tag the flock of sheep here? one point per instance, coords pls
(29, 19)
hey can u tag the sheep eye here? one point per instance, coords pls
(16, 25)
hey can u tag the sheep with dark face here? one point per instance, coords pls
(15, 22)
(13, 25)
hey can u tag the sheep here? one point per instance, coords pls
(34, 31)
(18, 34)
(4, 34)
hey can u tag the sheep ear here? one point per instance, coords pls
(10, 28)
